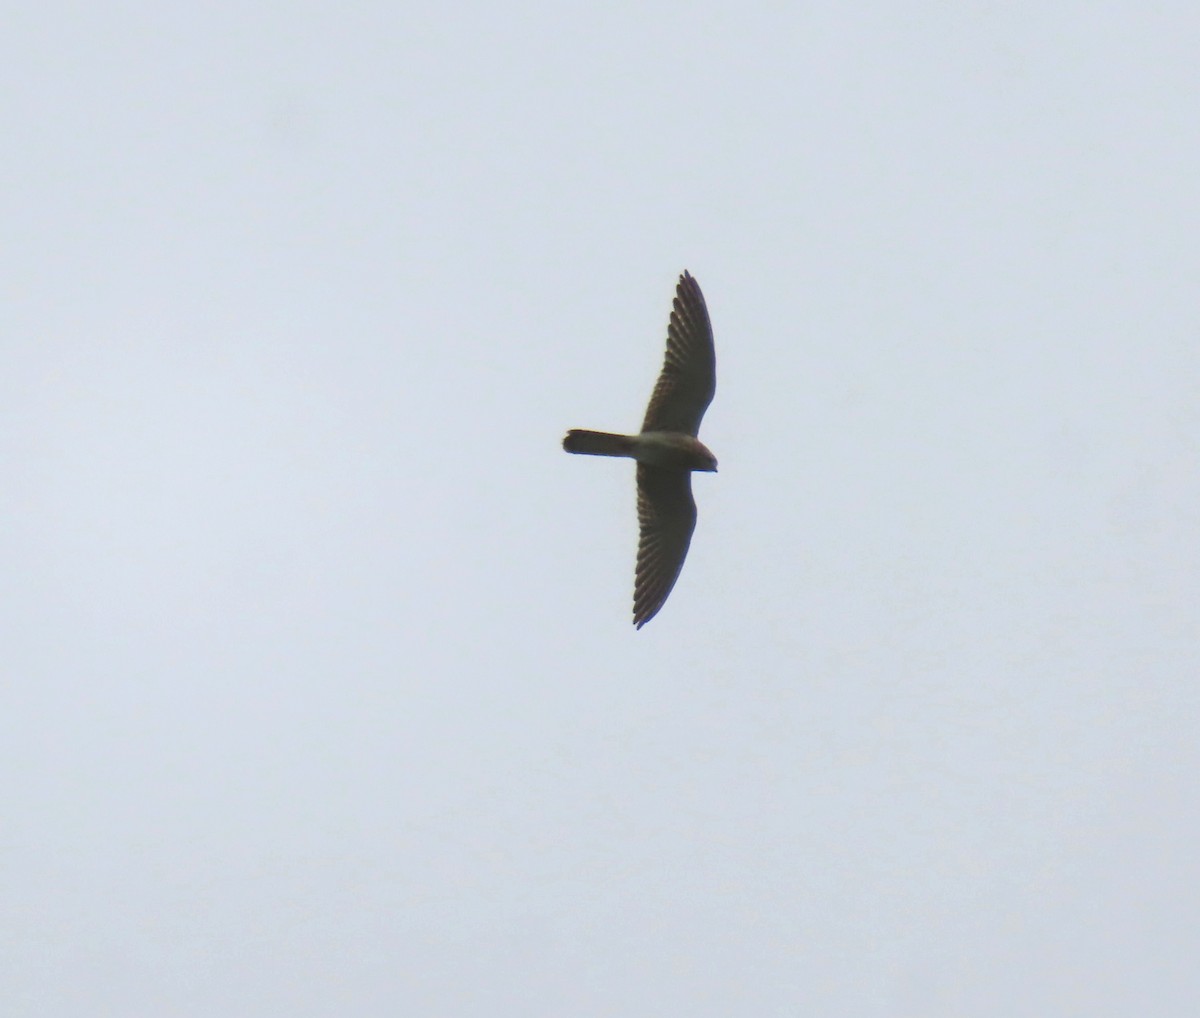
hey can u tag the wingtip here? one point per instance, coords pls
(687, 282)
(639, 621)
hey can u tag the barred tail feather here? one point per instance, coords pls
(598, 443)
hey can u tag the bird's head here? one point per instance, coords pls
(705, 460)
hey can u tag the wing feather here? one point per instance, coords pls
(688, 378)
(666, 519)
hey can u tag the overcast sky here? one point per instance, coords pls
(319, 693)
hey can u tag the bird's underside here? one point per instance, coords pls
(667, 450)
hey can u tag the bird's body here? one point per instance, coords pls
(667, 450)
(671, 449)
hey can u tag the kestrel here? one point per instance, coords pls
(667, 450)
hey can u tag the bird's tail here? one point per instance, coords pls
(598, 443)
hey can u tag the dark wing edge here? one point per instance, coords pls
(688, 379)
(666, 519)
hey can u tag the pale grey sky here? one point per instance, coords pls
(318, 689)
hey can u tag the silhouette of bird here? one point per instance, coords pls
(667, 450)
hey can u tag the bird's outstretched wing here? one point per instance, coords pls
(666, 519)
(688, 378)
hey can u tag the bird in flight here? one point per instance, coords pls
(667, 450)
